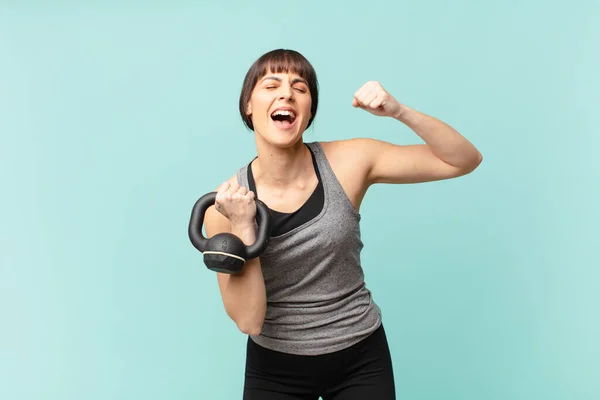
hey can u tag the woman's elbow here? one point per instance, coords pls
(248, 324)
(252, 328)
(478, 160)
(472, 165)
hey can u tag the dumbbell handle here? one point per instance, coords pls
(197, 218)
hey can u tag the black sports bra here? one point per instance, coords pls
(285, 222)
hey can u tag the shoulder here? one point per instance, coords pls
(347, 146)
(353, 155)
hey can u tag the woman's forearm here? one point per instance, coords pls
(445, 142)
(245, 295)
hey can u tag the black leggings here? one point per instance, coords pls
(362, 371)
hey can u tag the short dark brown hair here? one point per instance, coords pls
(278, 61)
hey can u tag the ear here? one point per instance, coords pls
(249, 109)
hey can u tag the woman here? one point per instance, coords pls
(314, 329)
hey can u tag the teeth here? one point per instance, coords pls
(285, 112)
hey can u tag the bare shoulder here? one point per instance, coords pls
(341, 145)
(349, 155)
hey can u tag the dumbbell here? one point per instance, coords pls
(225, 252)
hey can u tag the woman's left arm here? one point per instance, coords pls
(445, 154)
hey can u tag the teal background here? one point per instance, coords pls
(116, 116)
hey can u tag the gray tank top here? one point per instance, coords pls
(317, 300)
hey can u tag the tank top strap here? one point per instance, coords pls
(334, 192)
(242, 177)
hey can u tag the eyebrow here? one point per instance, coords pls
(296, 80)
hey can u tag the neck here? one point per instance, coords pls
(281, 167)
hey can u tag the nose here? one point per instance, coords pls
(286, 92)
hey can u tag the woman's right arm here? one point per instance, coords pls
(243, 294)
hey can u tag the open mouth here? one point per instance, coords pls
(283, 119)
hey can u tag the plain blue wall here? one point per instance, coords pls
(115, 118)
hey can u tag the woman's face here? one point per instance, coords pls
(280, 108)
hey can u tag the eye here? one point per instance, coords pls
(300, 89)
